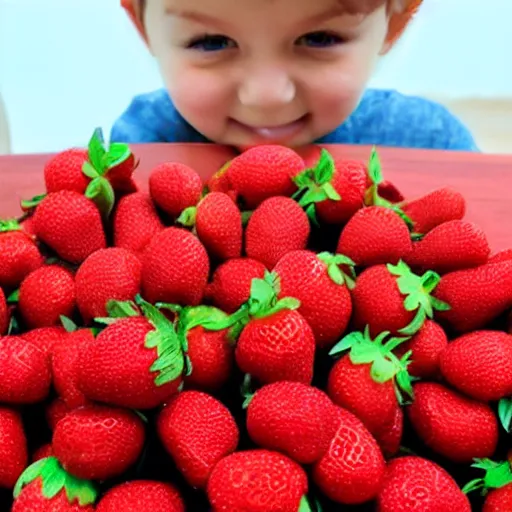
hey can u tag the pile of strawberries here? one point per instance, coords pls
(291, 336)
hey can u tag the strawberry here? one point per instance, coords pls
(13, 448)
(218, 224)
(55, 411)
(198, 431)
(27, 226)
(64, 171)
(366, 381)
(64, 360)
(441, 417)
(257, 481)
(392, 298)
(322, 288)
(375, 235)
(219, 182)
(453, 245)
(293, 418)
(414, 484)
(43, 452)
(155, 496)
(120, 175)
(5, 314)
(25, 377)
(135, 362)
(390, 436)
(352, 469)
(479, 364)
(19, 254)
(276, 227)
(46, 487)
(70, 224)
(175, 268)
(231, 283)
(45, 337)
(426, 348)
(263, 172)
(332, 190)
(97, 442)
(476, 296)
(107, 274)
(135, 222)
(390, 192)
(504, 255)
(434, 209)
(174, 186)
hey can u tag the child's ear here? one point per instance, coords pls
(132, 8)
(400, 14)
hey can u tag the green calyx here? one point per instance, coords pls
(29, 204)
(315, 185)
(337, 274)
(9, 225)
(378, 352)
(418, 298)
(118, 309)
(247, 391)
(497, 475)
(505, 413)
(54, 480)
(306, 505)
(188, 217)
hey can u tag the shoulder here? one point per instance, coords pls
(152, 117)
(389, 118)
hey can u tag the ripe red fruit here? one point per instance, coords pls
(43, 452)
(277, 226)
(13, 447)
(390, 436)
(293, 418)
(479, 364)
(121, 175)
(504, 255)
(64, 171)
(264, 171)
(155, 496)
(70, 224)
(5, 315)
(45, 337)
(375, 235)
(97, 443)
(107, 274)
(414, 484)
(246, 481)
(499, 500)
(55, 411)
(135, 222)
(352, 469)
(175, 268)
(198, 431)
(441, 418)
(47, 294)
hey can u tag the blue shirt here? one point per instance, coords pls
(383, 118)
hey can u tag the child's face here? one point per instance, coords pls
(246, 72)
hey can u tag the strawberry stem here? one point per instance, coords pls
(498, 474)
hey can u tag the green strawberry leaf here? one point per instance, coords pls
(303, 180)
(313, 195)
(311, 213)
(417, 237)
(9, 225)
(474, 485)
(53, 477)
(188, 217)
(325, 168)
(30, 204)
(247, 391)
(201, 315)
(80, 490)
(100, 191)
(505, 413)
(246, 217)
(497, 475)
(28, 476)
(122, 309)
(14, 326)
(14, 297)
(97, 151)
(89, 170)
(304, 505)
(375, 168)
(382, 370)
(68, 324)
(117, 154)
(331, 192)
(347, 343)
(417, 323)
(338, 276)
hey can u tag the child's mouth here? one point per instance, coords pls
(278, 133)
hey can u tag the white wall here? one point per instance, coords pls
(78, 68)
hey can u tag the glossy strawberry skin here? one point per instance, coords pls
(45, 337)
(55, 411)
(43, 452)
(390, 436)
(504, 255)
(13, 447)
(499, 500)
(5, 314)
(64, 171)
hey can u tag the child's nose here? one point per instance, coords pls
(266, 87)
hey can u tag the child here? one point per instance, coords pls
(291, 72)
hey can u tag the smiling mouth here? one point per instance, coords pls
(276, 133)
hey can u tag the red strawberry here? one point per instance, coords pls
(135, 222)
(453, 245)
(46, 487)
(257, 481)
(198, 431)
(277, 226)
(175, 268)
(70, 224)
(27, 226)
(392, 298)
(441, 417)
(219, 182)
(414, 484)
(390, 436)
(55, 411)
(390, 192)
(64, 360)
(352, 469)
(120, 175)
(375, 235)
(293, 418)
(25, 377)
(135, 362)
(64, 171)
(5, 314)
(13, 447)
(263, 172)
(479, 364)
(476, 296)
(322, 289)
(505, 255)
(155, 496)
(434, 209)
(426, 348)
(218, 223)
(231, 283)
(19, 254)
(107, 274)
(45, 337)
(43, 452)
(97, 443)
(47, 294)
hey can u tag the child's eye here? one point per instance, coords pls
(211, 43)
(320, 39)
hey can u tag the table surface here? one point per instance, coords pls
(485, 180)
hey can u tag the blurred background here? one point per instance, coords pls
(67, 66)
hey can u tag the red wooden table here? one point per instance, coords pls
(485, 180)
